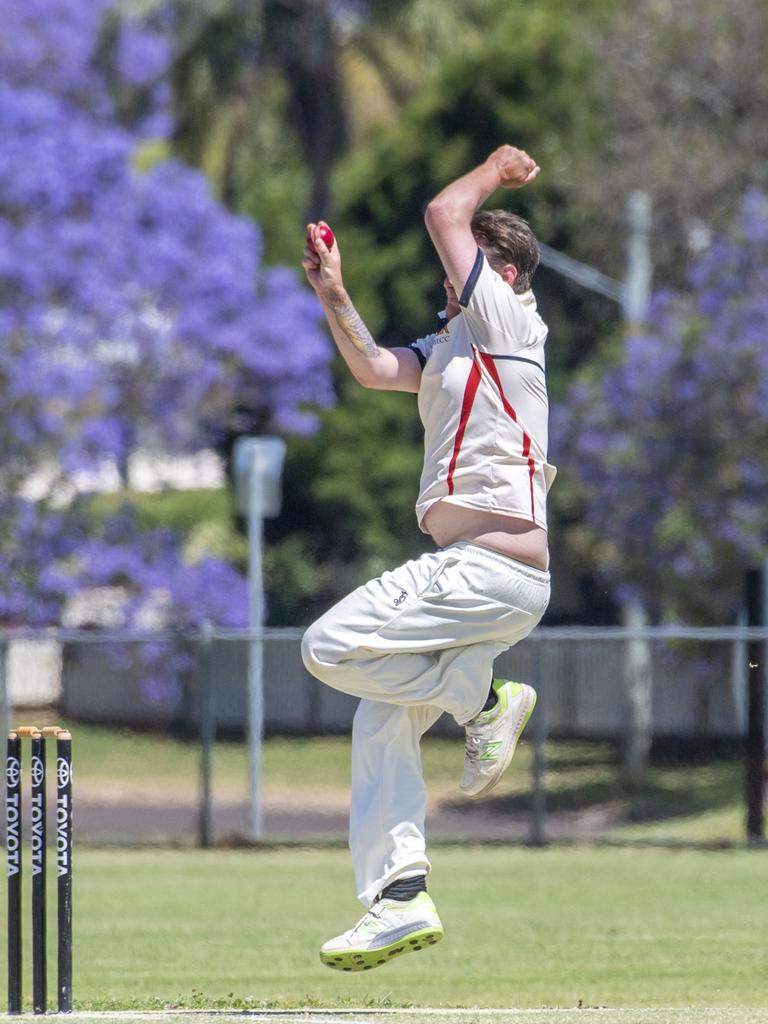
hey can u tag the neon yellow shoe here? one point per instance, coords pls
(389, 929)
(491, 737)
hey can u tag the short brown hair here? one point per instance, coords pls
(506, 238)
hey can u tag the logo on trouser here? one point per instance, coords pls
(399, 600)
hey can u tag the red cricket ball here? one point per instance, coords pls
(323, 232)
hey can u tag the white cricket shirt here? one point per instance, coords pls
(483, 403)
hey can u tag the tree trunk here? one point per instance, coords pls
(301, 40)
(638, 691)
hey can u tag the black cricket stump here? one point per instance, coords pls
(13, 841)
(39, 845)
(39, 848)
(64, 865)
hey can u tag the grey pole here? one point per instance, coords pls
(754, 741)
(633, 296)
(637, 285)
(258, 464)
(633, 293)
(207, 733)
(765, 652)
(581, 273)
(638, 681)
(256, 650)
(537, 835)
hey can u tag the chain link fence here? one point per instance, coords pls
(641, 735)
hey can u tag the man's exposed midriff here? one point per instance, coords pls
(517, 538)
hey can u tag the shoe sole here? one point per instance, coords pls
(368, 959)
(526, 710)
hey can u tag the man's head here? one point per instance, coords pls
(507, 241)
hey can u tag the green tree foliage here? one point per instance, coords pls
(684, 88)
(278, 136)
(527, 83)
(226, 50)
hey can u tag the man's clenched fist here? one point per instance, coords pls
(515, 167)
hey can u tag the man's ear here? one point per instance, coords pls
(509, 274)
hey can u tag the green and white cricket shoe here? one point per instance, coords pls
(390, 928)
(491, 737)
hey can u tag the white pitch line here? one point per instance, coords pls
(174, 1016)
(344, 1015)
(198, 1015)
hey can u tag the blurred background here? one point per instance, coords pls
(159, 162)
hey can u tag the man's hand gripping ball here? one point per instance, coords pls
(321, 231)
(322, 263)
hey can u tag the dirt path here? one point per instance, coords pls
(130, 814)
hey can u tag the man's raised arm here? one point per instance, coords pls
(449, 215)
(396, 369)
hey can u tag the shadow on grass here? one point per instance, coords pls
(583, 778)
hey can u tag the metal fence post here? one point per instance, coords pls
(537, 835)
(755, 738)
(207, 734)
(739, 674)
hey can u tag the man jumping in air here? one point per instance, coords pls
(421, 639)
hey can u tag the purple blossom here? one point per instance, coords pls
(143, 54)
(134, 310)
(670, 444)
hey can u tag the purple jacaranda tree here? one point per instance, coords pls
(668, 439)
(134, 310)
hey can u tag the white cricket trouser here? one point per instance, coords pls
(416, 642)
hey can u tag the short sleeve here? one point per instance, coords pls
(422, 348)
(495, 315)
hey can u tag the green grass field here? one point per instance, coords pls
(524, 928)
(608, 935)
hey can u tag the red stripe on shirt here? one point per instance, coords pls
(470, 390)
(490, 366)
(531, 470)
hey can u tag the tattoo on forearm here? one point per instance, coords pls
(351, 323)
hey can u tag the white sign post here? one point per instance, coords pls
(258, 468)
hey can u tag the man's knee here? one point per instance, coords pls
(323, 648)
(311, 644)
